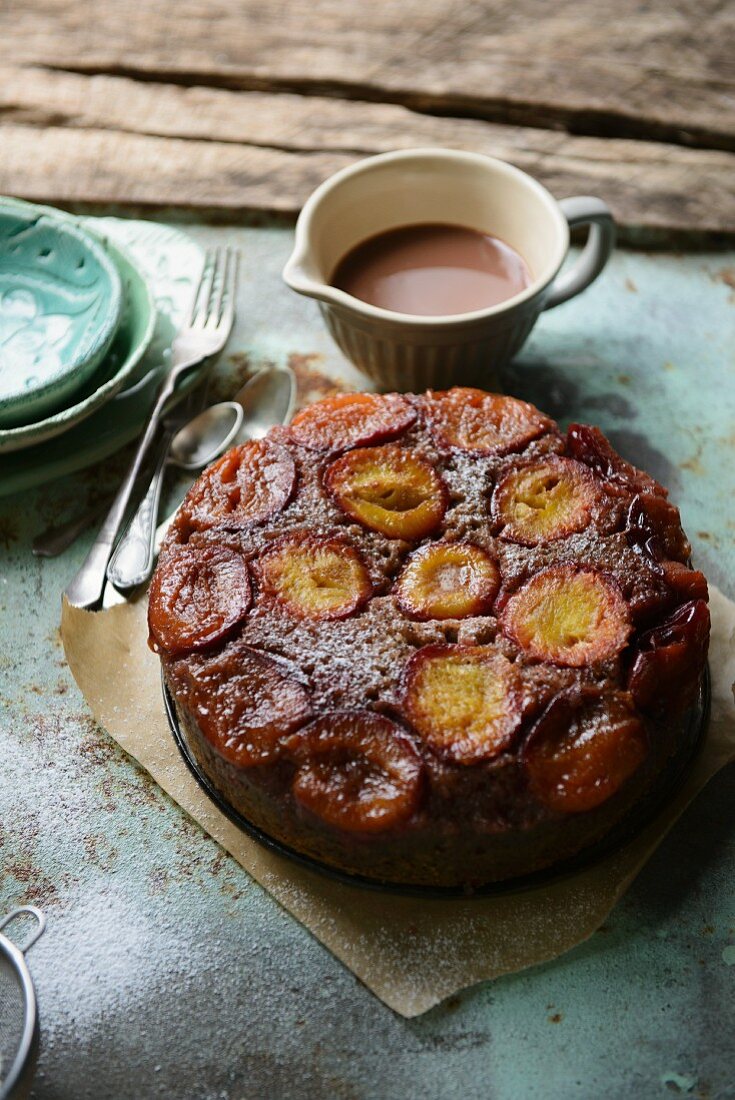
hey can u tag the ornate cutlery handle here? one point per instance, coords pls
(134, 557)
(87, 587)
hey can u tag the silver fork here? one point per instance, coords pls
(202, 336)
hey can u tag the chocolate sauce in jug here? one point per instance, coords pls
(432, 270)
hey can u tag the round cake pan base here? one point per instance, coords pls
(623, 833)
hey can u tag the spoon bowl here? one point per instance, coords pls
(267, 399)
(207, 436)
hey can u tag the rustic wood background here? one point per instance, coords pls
(243, 106)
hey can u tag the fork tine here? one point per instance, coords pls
(205, 309)
(224, 316)
(215, 305)
(206, 276)
(202, 314)
(229, 310)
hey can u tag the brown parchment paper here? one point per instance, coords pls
(411, 953)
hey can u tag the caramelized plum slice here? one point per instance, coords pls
(315, 577)
(653, 527)
(388, 490)
(670, 584)
(246, 486)
(448, 580)
(589, 446)
(465, 701)
(669, 659)
(685, 583)
(569, 615)
(483, 423)
(245, 702)
(357, 771)
(197, 597)
(582, 749)
(352, 420)
(544, 500)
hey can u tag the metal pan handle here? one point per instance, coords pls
(32, 936)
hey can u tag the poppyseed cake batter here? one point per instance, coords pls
(429, 638)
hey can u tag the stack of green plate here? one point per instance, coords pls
(76, 317)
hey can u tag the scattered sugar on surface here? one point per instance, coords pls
(148, 953)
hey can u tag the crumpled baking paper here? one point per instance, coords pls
(412, 953)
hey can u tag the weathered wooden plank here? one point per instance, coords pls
(76, 139)
(663, 69)
(100, 166)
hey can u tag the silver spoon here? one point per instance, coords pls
(194, 446)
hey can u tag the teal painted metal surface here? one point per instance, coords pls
(165, 971)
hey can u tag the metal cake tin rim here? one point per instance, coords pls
(622, 834)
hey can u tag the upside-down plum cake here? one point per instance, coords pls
(430, 639)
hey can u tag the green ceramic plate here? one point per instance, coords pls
(134, 334)
(60, 305)
(169, 265)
